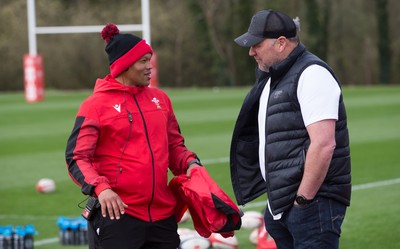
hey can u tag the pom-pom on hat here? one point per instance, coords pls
(123, 49)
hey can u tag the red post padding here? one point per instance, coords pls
(154, 71)
(33, 78)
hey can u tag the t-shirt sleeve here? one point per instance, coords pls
(318, 93)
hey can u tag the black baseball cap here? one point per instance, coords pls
(267, 24)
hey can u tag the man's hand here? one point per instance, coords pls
(111, 202)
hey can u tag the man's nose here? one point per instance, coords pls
(252, 51)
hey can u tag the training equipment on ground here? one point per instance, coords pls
(219, 242)
(253, 237)
(264, 240)
(252, 219)
(17, 237)
(185, 233)
(46, 185)
(73, 230)
(190, 239)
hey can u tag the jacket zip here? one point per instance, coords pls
(152, 156)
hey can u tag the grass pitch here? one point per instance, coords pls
(33, 138)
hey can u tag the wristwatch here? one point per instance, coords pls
(301, 200)
(196, 160)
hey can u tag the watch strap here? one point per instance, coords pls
(196, 160)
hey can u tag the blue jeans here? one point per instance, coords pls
(317, 225)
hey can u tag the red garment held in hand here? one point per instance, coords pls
(211, 209)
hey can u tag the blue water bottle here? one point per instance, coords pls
(83, 231)
(63, 224)
(7, 236)
(74, 225)
(28, 238)
(1, 237)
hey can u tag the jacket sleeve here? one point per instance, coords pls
(80, 151)
(179, 155)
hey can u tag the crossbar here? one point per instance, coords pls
(33, 30)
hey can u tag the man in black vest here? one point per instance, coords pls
(291, 138)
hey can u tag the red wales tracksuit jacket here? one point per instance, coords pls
(125, 138)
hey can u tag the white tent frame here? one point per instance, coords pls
(33, 30)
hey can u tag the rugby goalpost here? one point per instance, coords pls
(33, 62)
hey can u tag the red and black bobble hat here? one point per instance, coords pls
(123, 49)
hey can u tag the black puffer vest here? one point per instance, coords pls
(287, 141)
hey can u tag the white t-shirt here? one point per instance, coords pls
(318, 94)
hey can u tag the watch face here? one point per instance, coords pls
(301, 200)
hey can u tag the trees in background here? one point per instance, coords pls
(318, 17)
(194, 39)
(384, 46)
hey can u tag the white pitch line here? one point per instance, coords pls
(28, 217)
(354, 188)
(45, 241)
(376, 184)
(215, 160)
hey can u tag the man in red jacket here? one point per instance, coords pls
(124, 140)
